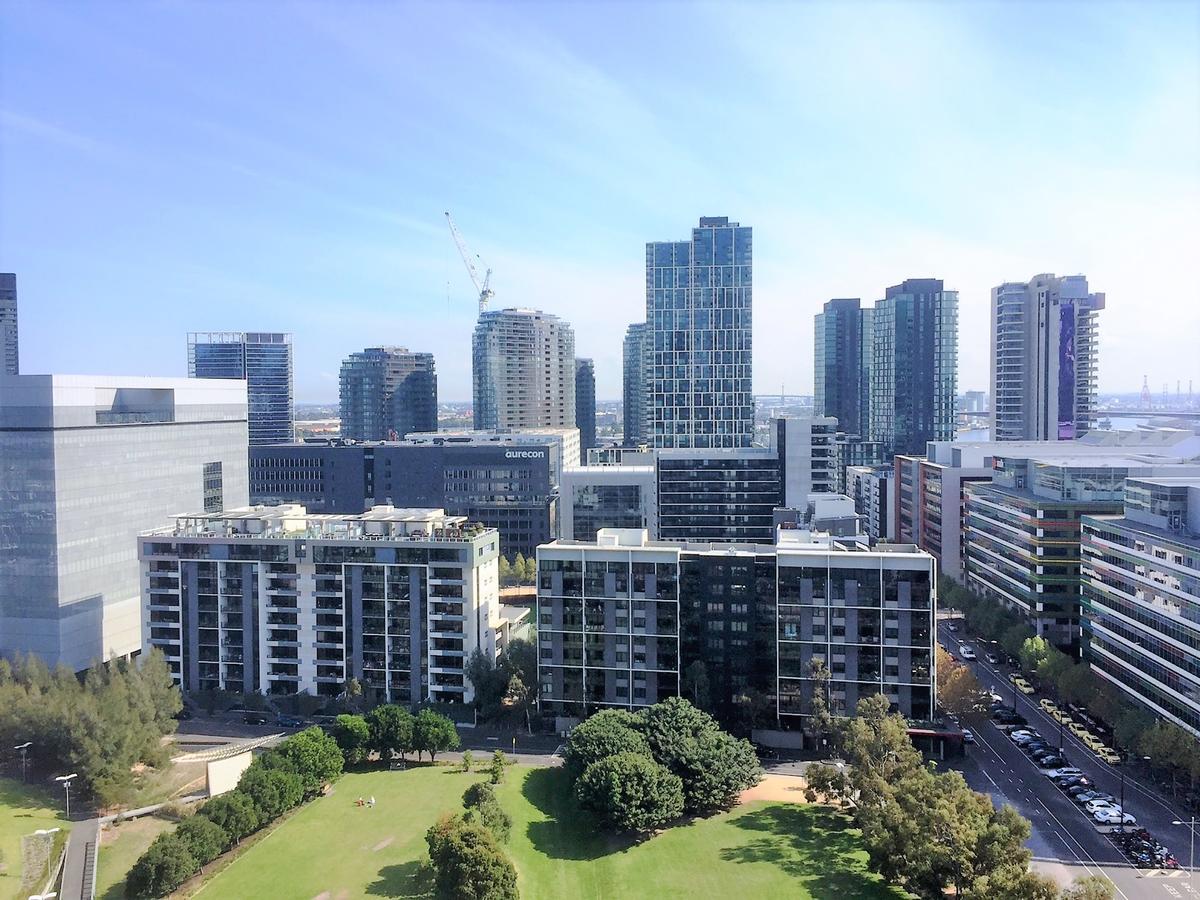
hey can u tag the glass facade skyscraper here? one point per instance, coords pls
(585, 406)
(914, 366)
(842, 358)
(264, 361)
(386, 393)
(635, 383)
(698, 314)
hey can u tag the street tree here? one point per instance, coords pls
(353, 737)
(694, 684)
(1090, 887)
(391, 731)
(433, 733)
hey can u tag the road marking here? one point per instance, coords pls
(1073, 840)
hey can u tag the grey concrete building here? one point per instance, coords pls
(699, 298)
(264, 360)
(585, 406)
(1045, 358)
(9, 338)
(387, 392)
(275, 600)
(88, 463)
(635, 384)
(523, 370)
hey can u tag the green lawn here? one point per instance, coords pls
(120, 847)
(23, 810)
(334, 849)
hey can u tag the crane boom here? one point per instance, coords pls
(484, 287)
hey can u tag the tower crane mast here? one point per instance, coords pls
(484, 287)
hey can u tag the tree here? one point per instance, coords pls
(467, 862)
(1033, 653)
(520, 658)
(315, 757)
(353, 736)
(530, 571)
(505, 571)
(1090, 887)
(433, 733)
(630, 792)
(489, 683)
(466, 761)
(203, 837)
(481, 804)
(603, 734)
(391, 730)
(1013, 638)
(821, 720)
(960, 693)
(825, 781)
(715, 770)
(519, 568)
(496, 769)
(164, 866)
(352, 694)
(694, 684)
(1053, 666)
(235, 813)
(1077, 685)
(274, 791)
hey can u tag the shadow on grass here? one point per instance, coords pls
(17, 796)
(413, 880)
(570, 833)
(812, 844)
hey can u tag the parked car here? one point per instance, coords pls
(1048, 705)
(1092, 805)
(1066, 782)
(1084, 787)
(953, 626)
(1023, 686)
(1059, 716)
(256, 718)
(290, 722)
(1088, 796)
(1093, 743)
(1065, 770)
(992, 658)
(1112, 757)
(1050, 762)
(1018, 735)
(1113, 817)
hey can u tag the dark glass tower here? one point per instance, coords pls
(585, 406)
(698, 315)
(635, 384)
(914, 366)
(8, 324)
(264, 361)
(842, 357)
(386, 393)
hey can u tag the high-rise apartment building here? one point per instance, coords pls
(88, 464)
(698, 318)
(274, 600)
(9, 343)
(523, 368)
(1044, 359)
(635, 382)
(842, 360)
(1140, 590)
(585, 406)
(264, 361)
(621, 617)
(386, 392)
(914, 366)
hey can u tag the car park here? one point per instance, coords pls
(1113, 817)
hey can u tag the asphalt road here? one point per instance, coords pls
(1065, 841)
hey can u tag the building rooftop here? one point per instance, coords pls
(790, 540)
(290, 521)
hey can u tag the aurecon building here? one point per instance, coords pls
(280, 601)
(523, 369)
(88, 463)
(621, 618)
(699, 296)
(507, 481)
(264, 361)
(585, 406)
(9, 342)
(635, 384)
(1045, 362)
(914, 366)
(386, 392)
(1140, 591)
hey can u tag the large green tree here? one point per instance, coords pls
(203, 837)
(353, 736)
(434, 733)
(166, 864)
(235, 813)
(315, 757)
(273, 791)
(605, 733)
(391, 730)
(467, 862)
(630, 792)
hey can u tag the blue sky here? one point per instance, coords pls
(169, 167)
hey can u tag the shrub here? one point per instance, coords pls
(204, 838)
(468, 863)
(166, 864)
(235, 813)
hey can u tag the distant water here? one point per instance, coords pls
(1119, 423)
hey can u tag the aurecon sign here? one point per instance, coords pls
(524, 454)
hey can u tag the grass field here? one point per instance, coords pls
(120, 847)
(23, 810)
(333, 849)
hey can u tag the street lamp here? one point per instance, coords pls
(1124, 759)
(65, 781)
(45, 832)
(1191, 824)
(24, 748)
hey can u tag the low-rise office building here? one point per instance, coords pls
(1140, 592)
(621, 619)
(509, 481)
(277, 600)
(607, 496)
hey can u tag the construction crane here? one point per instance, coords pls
(484, 287)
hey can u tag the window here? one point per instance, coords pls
(214, 498)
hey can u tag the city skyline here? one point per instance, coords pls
(246, 194)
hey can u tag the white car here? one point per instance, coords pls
(966, 652)
(1093, 806)
(1113, 816)
(968, 736)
